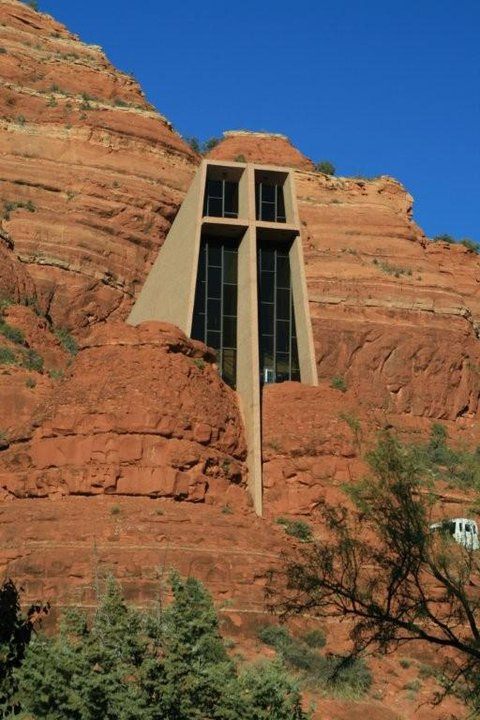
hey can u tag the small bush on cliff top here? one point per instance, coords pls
(202, 147)
(210, 144)
(443, 238)
(326, 167)
(127, 664)
(194, 143)
(471, 245)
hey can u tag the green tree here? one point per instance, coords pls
(325, 166)
(171, 664)
(389, 575)
(15, 634)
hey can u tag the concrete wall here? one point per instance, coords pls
(248, 382)
(169, 291)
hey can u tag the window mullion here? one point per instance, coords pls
(275, 283)
(206, 293)
(222, 274)
(290, 330)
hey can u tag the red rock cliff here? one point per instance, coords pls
(90, 176)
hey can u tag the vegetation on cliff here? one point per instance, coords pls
(128, 664)
(383, 570)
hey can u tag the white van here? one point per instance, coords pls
(463, 531)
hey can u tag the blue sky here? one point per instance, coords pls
(377, 87)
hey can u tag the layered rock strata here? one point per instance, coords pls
(393, 313)
(142, 412)
(91, 175)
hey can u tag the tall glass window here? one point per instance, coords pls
(276, 318)
(221, 199)
(215, 311)
(270, 203)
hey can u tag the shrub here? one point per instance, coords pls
(389, 269)
(210, 144)
(426, 671)
(7, 356)
(194, 143)
(21, 119)
(325, 166)
(355, 426)
(3, 51)
(5, 303)
(268, 693)
(12, 333)
(67, 341)
(86, 100)
(339, 383)
(443, 238)
(241, 158)
(276, 636)
(297, 528)
(10, 206)
(315, 638)
(118, 102)
(341, 676)
(32, 4)
(31, 360)
(413, 685)
(30, 382)
(471, 245)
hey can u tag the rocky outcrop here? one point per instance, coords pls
(393, 313)
(91, 175)
(142, 412)
(311, 447)
(15, 282)
(260, 147)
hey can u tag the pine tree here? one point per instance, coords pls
(131, 665)
(15, 634)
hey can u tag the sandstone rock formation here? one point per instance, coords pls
(91, 175)
(142, 412)
(259, 147)
(395, 314)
